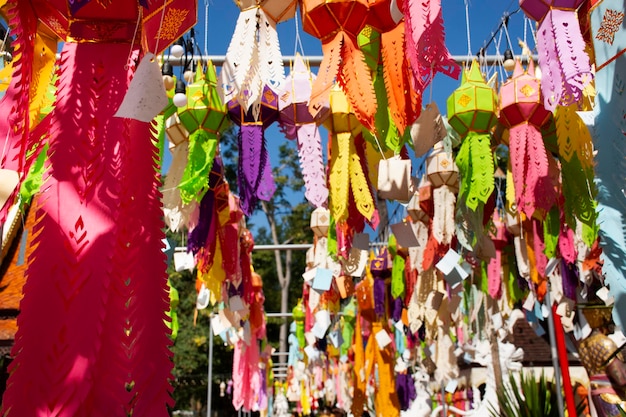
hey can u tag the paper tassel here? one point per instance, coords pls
(312, 163)
(425, 41)
(328, 71)
(475, 164)
(356, 81)
(562, 58)
(254, 180)
(340, 175)
(575, 153)
(494, 268)
(529, 162)
(86, 344)
(444, 201)
(172, 203)
(403, 98)
(358, 179)
(195, 179)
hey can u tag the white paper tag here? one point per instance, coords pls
(448, 262)
(184, 260)
(382, 338)
(310, 274)
(202, 299)
(310, 338)
(529, 304)
(318, 331)
(451, 386)
(146, 96)
(603, 293)
(322, 318)
(314, 299)
(218, 325)
(310, 352)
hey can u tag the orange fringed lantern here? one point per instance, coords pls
(337, 23)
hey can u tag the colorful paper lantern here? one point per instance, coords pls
(254, 177)
(86, 345)
(337, 24)
(253, 59)
(441, 169)
(565, 66)
(296, 122)
(346, 165)
(320, 221)
(472, 113)
(522, 111)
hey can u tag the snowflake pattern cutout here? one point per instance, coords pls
(611, 22)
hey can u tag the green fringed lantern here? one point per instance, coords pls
(205, 117)
(472, 114)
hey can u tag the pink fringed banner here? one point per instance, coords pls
(92, 339)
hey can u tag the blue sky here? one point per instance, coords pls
(484, 18)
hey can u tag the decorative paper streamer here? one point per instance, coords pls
(425, 41)
(86, 345)
(576, 156)
(254, 179)
(346, 169)
(253, 60)
(564, 63)
(297, 122)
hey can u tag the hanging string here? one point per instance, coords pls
(298, 40)
(432, 81)
(132, 42)
(467, 26)
(156, 47)
(500, 59)
(206, 28)
(506, 32)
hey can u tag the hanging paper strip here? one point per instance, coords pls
(337, 24)
(87, 345)
(609, 41)
(14, 105)
(255, 181)
(576, 156)
(253, 59)
(564, 63)
(425, 41)
(346, 165)
(297, 122)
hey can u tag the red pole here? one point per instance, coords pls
(563, 361)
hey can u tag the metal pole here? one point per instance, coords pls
(210, 381)
(555, 359)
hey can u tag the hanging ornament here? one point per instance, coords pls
(471, 111)
(28, 78)
(577, 170)
(86, 344)
(403, 94)
(205, 118)
(297, 122)
(254, 178)
(346, 165)
(425, 41)
(524, 114)
(337, 23)
(443, 174)
(253, 60)
(563, 61)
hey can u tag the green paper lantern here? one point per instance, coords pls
(472, 106)
(205, 109)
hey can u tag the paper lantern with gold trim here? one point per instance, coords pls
(472, 113)
(522, 111)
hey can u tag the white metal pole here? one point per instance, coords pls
(210, 381)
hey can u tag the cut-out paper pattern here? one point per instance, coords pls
(296, 122)
(523, 112)
(564, 64)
